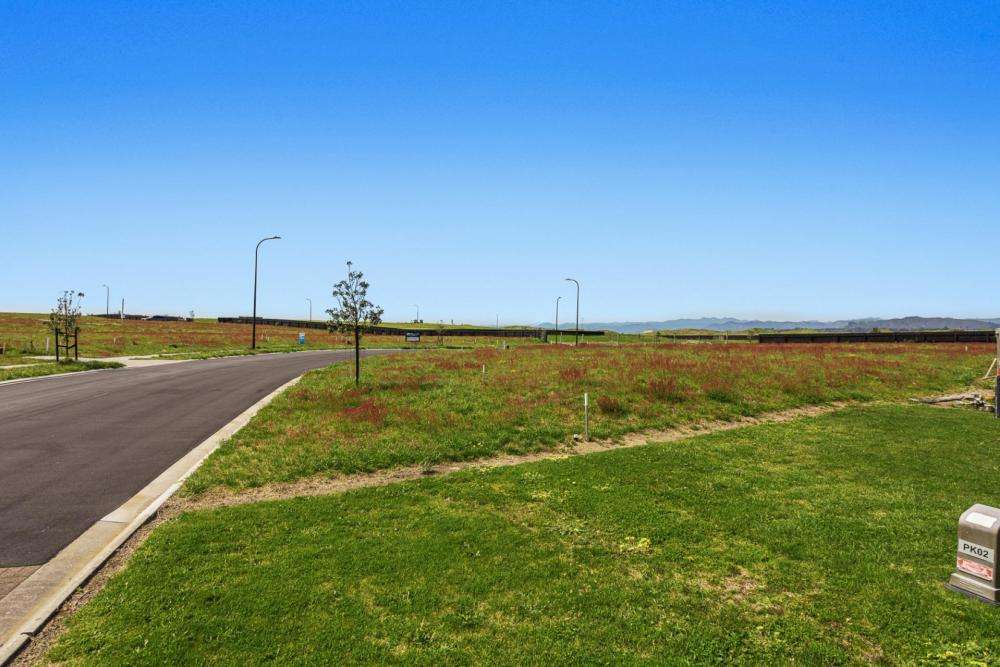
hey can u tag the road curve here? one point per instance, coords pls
(75, 447)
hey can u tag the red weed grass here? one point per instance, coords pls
(438, 406)
(368, 410)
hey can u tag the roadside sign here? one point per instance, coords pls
(975, 561)
(302, 338)
(412, 336)
(977, 550)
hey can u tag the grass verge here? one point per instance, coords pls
(819, 541)
(442, 406)
(38, 370)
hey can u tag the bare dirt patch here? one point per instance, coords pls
(323, 485)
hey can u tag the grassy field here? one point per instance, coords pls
(26, 333)
(820, 541)
(52, 368)
(439, 406)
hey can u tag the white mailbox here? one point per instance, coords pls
(976, 560)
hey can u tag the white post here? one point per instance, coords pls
(586, 416)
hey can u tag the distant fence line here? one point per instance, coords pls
(973, 336)
(152, 318)
(721, 335)
(424, 330)
(970, 336)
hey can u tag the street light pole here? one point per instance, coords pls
(558, 336)
(310, 308)
(996, 389)
(574, 280)
(253, 326)
(107, 300)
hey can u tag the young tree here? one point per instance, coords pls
(354, 311)
(65, 316)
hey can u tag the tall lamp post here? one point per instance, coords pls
(256, 255)
(310, 308)
(574, 280)
(107, 300)
(558, 336)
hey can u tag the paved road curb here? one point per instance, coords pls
(25, 609)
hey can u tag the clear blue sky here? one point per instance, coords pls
(819, 159)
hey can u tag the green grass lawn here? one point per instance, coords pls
(824, 540)
(52, 368)
(437, 406)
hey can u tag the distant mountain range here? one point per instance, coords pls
(912, 323)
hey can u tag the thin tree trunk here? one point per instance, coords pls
(357, 355)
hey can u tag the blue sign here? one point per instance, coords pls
(302, 338)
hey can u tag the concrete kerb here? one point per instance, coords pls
(26, 609)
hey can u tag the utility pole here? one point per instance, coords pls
(574, 280)
(310, 308)
(107, 300)
(253, 327)
(417, 306)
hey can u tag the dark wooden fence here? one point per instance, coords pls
(153, 318)
(424, 330)
(720, 336)
(976, 336)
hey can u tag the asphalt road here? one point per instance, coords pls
(75, 447)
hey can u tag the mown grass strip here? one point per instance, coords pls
(38, 370)
(819, 541)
